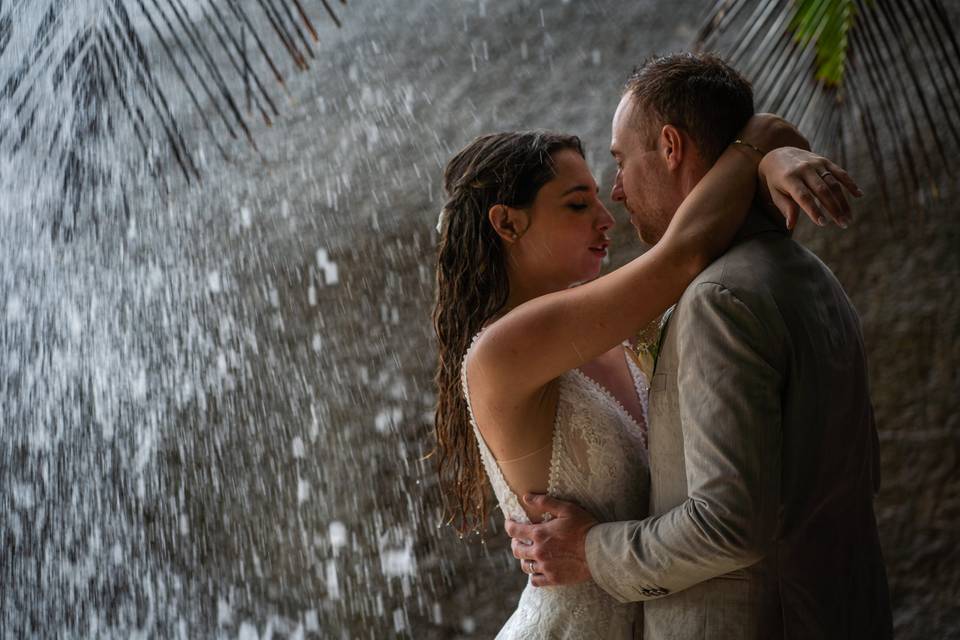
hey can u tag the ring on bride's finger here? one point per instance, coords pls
(530, 565)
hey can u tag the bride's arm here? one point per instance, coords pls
(549, 335)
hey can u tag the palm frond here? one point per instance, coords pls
(884, 72)
(77, 81)
(826, 24)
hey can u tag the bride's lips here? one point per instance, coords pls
(600, 249)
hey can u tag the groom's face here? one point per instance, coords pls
(643, 184)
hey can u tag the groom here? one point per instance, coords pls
(763, 451)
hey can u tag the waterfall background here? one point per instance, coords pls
(216, 401)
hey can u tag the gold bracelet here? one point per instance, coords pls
(747, 144)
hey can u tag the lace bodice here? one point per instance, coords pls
(598, 460)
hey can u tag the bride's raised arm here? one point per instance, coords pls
(551, 334)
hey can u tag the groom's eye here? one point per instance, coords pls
(577, 206)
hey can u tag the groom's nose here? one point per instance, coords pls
(617, 192)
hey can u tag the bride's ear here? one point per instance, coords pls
(509, 223)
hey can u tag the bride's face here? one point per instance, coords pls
(566, 239)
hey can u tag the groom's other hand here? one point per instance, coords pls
(553, 552)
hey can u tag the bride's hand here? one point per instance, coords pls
(793, 179)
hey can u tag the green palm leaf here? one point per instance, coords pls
(826, 24)
(879, 74)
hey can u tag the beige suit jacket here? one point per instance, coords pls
(763, 460)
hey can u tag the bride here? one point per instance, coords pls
(534, 390)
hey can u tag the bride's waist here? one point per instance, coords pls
(576, 595)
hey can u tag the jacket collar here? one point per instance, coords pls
(760, 221)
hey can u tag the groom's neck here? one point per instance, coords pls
(691, 174)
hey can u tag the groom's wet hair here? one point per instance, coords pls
(697, 92)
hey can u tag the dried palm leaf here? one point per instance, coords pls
(77, 81)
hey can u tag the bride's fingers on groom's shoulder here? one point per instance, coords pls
(787, 207)
(838, 194)
(811, 205)
(817, 198)
(821, 184)
(843, 177)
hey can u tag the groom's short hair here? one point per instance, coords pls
(697, 92)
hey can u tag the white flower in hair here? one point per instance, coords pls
(442, 219)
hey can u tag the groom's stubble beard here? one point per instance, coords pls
(649, 215)
(656, 202)
(652, 226)
(651, 223)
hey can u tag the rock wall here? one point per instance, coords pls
(278, 314)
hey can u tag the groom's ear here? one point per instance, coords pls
(673, 146)
(509, 223)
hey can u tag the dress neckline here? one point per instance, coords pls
(612, 398)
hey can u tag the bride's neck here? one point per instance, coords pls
(522, 291)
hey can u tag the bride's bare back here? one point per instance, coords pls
(525, 463)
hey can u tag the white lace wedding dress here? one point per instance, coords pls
(599, 461)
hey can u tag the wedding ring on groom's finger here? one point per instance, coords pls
(530, 565)
(823, 176)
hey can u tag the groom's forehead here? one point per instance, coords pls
(624, 108)
(625, 136)
(629, 117)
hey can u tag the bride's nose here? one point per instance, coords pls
(604, 219)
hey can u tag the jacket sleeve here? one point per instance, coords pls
(729, 381)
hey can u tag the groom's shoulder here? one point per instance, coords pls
(752, 267)
(765, 273)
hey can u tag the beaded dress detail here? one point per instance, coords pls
(599, 461)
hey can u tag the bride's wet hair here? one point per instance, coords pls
(472, 288)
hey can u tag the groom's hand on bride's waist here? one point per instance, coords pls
(552, 552)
